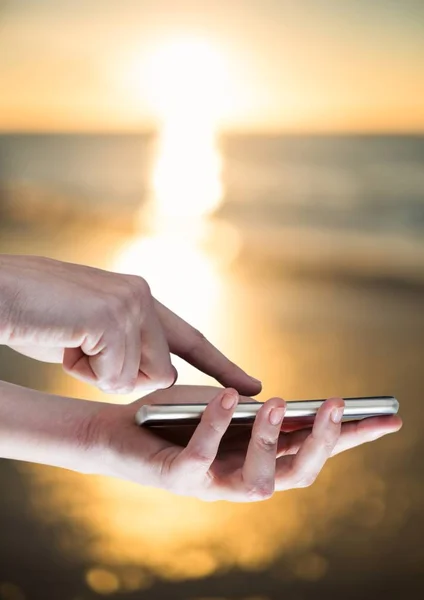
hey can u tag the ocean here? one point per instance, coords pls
(351, 197)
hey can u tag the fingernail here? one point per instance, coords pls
(276, 416)
(256, 380)
(228, 400)
(337, 414)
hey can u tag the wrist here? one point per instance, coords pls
(46, 429)
(119, 447)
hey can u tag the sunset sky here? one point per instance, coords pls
(274, 65)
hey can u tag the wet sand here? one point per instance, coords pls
(358, 530)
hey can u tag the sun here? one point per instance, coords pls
(188, 78)
(188, 84)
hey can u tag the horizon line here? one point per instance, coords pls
(227, 132)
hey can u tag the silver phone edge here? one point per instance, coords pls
(356, 408)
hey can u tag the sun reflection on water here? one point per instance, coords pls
(186, 179)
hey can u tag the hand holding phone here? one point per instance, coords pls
(204, 456)
(299, 413)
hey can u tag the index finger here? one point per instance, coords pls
(189, 344)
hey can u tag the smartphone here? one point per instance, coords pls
(299, 413)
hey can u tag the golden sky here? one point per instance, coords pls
(311, 65)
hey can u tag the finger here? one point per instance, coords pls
(190, 345)
(290, 443)
(258, 471)
(77, 364)
(103, 367)
(354, 433)
(155, 370)
(98, 365)
(302, 469)
(192, 394)
(128, 379)
(203, 446)
(104, 359)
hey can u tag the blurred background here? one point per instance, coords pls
(261, 164)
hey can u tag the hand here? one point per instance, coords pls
(105, 328)
(215, 462)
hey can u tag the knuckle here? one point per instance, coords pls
(124, 303)
(112, 384)
(165, 462)
(139, 289)
(261, 490)
(198, 456)
(127, 387)
(107, 389)
(265, 443)
(110, 311)
(213, 427)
